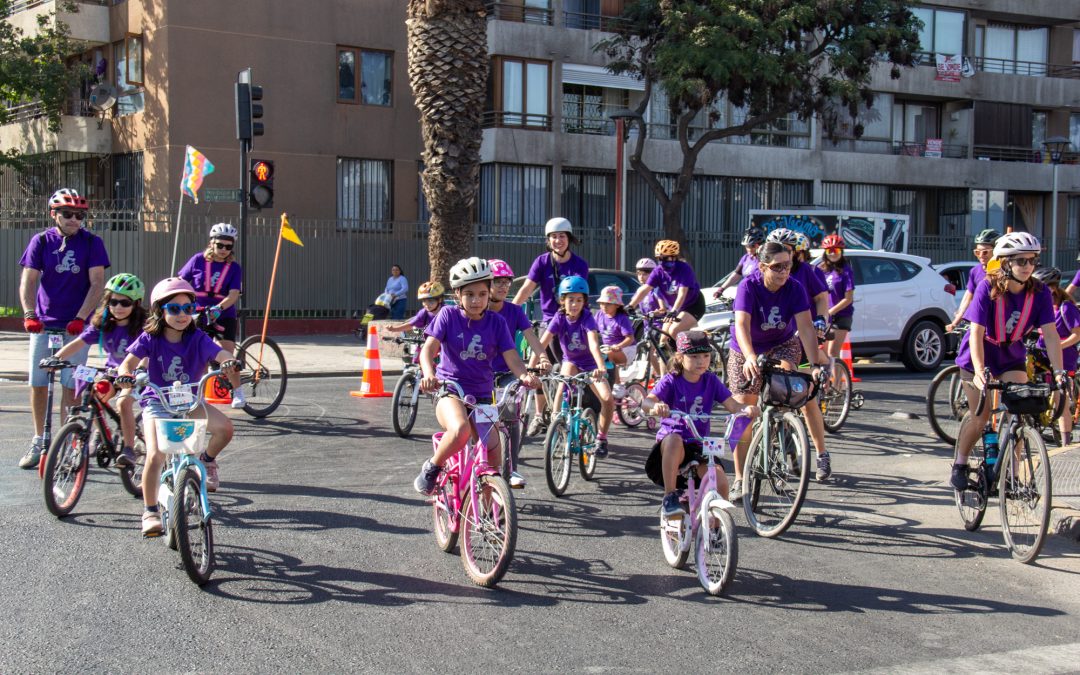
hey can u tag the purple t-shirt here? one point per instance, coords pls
(469, 348)
(65, 274)
(977, 274)
(115, 343)
(543, 275)
(168, 362)
(422, 319)
(694, 398)
(840, 281)
(772, 314)
(614, 329)
(574, 338)
(194, 272)
(515, 319)
(1066, 319)
(650, 303)
(748, 264)
(1000, 359)
(668, 282)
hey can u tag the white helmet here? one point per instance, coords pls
(468, 270)
(558, 225)
(1014, 243)
(784, 236)
(223, 230)
(645, 264)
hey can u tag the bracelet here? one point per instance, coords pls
(30, 315)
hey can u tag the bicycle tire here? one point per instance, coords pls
(835, 400)
(716, 552)
(587, 440)
(971, 503)
(946, 414)
(264, 378)
(64, 476)
(194, 528)
(557, 456)
(629, 411)
(403, 412)
(673, 531)
(1025, 488)
(446, 537)
(776, 489)
(131, 476)
(506, 450)
(489, 538)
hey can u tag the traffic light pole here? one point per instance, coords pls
(242, 311)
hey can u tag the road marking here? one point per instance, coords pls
(1050, 659)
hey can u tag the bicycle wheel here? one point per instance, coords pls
(587, 438)
(194, 529)
(131, 477)
(489, 531)
(264, 376)
(716, 552)
(776, 476)
(506, 449)
(403, 412)
(946, 404)
(441, 505)
(65, 468)
(629, 411)
(557, 456)
(972, 502)
(1025, 494)
(836, 399)
(673, 532)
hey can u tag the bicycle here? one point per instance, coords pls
(836, 395)
(777, 469)
(711, 528)
(572, 433)
(946, 402)
(1019, 475)
(64, 474)
(406, 398)
(263, 375)
(638, 375)
(473, 500)
(512, 402)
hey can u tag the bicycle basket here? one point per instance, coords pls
(1026, 399)
(787, 389)
(181, 436)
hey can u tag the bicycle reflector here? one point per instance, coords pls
(102, 387)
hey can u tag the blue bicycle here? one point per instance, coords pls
(572, 433)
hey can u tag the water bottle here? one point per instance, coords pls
(990, 448)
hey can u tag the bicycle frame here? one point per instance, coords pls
(701, 497)
(573, 413)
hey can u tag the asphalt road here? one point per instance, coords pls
(326, 562)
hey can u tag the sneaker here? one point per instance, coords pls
(824, 467)
(536, 427)
(212, 480)
(601, 448)
(959, 477)
(735, 492)
(671, 509)
(32, 457)
(618, 391)
(425, 482)
(517, 481)
(151, 524)
(126, 457)
(238, 400)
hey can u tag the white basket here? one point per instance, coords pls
(181, 436)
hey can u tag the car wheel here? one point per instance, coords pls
(924, 347)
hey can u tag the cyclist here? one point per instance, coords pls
(691, 389)
(1067, 321)
(115, 324)
(841, 282)
(547, 270)
(218, 281)
(679, 290)
(1008, 303)
(651, 302)
(174, 350)
(430, 295)
(752, 239)
(63, 276)
(984, 250)
(469, 338)
(1070, 290)
(579, 338)
(769, 307)
(616, 334)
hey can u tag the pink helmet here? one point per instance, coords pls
(499, 268)
(611, 294)
(646, 264)
(166, 288)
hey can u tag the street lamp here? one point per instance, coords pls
(621, 117)
(1056, 146)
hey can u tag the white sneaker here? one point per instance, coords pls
(618, 391)
(517, 481)
(238, 400)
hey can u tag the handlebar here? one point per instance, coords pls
(685, 417)
(143, 379)
(991, 385)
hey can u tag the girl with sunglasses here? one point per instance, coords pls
(172, 350)
(841, 282)
(218, 281)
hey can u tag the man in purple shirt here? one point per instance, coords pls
(984, 250)
(63, 277)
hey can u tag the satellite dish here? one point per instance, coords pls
(102, 97)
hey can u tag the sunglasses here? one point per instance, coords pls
(833, 251)
(502, 281)
(175, 308)
(778, 267)
(77, 215)
(1025, 262)
(120, 302)
(223, 245)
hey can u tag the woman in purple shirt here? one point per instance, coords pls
(1067, 321)
(1006, 305)
(679, 289)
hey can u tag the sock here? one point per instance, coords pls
(37, 440)
(152, 509)
(204, 458)
(601, 436)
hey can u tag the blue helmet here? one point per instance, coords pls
(573, 284)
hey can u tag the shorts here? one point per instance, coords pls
(1019, 367)
(483, 429)
(654, 464)
(554, 350)
(843, 322)
(228, 327)
(790, 351)
(697, 308)
(630, 352)
(39, 349)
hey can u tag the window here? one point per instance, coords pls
(367, 70)
(1038, 129)
(128, 74)
(1074, 132)
(1005, 48)
(529, 11)
(364, 193)
(1076, 46)
(588, 198)
(513, 198)
(518, 93)
(914, 122)
(942, 31)
(134, 59)
(593, 14)
(586, 108)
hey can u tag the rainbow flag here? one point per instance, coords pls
(196, 168)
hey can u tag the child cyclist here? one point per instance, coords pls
(116, 323)
(616, 334)
(174, 351)
(689, 388)
(469, 338)
(841, 282)
(430, 294)
(579, 338)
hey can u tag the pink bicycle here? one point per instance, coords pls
(472, 500)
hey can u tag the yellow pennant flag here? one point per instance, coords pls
(287, 232)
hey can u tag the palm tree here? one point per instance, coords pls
(448, 71)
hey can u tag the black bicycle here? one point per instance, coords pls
(263, 376)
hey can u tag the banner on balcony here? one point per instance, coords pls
(949, 68)
(934, 146)
(196, 168)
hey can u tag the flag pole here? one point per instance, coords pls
(270, 293)
(176, 239)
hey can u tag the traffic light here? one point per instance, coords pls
(248, 110)
(261, 193)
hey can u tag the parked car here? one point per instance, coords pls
(598, 278)
(902, 306)
(956, 273)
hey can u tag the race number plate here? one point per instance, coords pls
(179, 396)
(85, 373)
(56, 341)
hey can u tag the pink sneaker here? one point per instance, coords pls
(151, 524)
(212, 480)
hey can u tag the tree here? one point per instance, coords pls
(448, 71)
(768, 58)
(33, 68)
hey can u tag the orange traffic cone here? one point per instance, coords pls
(217, 393)
(845, 354)
(371, 386)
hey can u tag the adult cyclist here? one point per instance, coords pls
(752, 240)
(679, 289)
(984, 250)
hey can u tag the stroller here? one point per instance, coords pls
(376, 311)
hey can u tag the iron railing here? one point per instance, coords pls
(26, 5)
(499, 118)
(26, 112)
(592, 125)
(1002, 153)
(593, 21)
(509, 11)
(1009, 66)
(887, 147)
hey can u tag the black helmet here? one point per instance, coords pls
(987, 237)
(1048, 275)
(754, 236)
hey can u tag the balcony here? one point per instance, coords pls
(90, 24)
(517, 120)
(898, 148)
(983, 64)
(1002, 153)
(593, 21)
(517, 12)
(82, 131)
